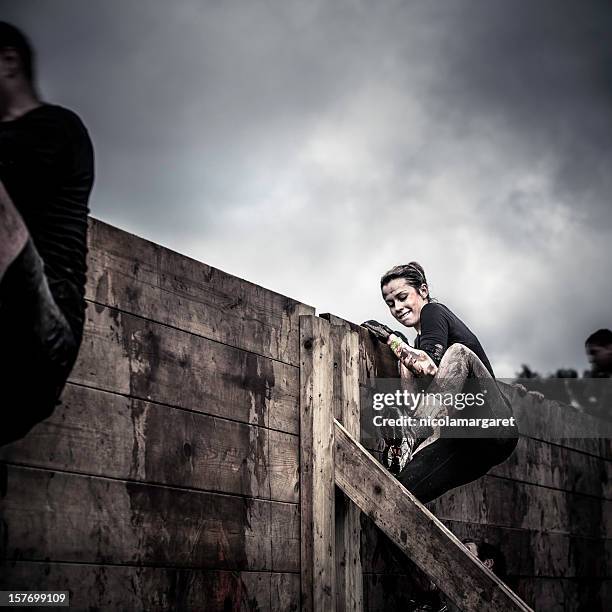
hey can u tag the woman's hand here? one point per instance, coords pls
(417, 361)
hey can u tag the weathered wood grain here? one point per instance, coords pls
(540, 553)
(67, 517)
(99, 433)
(108, 587)
(558, 467)
(564, 425)
(125, 354)
(285, 537)
(417, 532)
(146, 279)
(561, 595)
(284, 466)
(345, 353)
(527, 553)
(507, 503)
(317, 466)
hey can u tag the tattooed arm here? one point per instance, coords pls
(416, 361)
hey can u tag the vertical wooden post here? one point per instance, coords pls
(317, 485)
(349, 576)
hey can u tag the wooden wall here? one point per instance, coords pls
(168, 477)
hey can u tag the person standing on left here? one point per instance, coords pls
(46, 177)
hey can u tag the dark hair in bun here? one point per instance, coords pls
(413, 273)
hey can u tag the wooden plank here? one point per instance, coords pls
(560, 595)
(146, 279)
(564, 425)
(284, 466)
(108, 587)
(349, 580)
(99, 433)
(506, 503)
(558, 467)
(316, 466)
(125, 354)
(66, 517)
(375, 358)
(417, 532)
(285, 593)
(285, 537)
(379, 555)
(539, 553)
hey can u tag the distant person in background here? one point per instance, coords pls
(599, 352)
(598, 393)
(46, 176)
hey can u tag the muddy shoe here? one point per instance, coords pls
(397, 454)
(381, 331)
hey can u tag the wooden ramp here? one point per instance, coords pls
(331, 456)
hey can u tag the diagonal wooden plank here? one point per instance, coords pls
(417, 532)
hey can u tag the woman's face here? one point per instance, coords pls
(404, 301)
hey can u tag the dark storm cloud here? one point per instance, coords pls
(352, 135)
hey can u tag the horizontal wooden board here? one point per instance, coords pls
(564, 425)
(108, 587)
(558, 467)
(561, 595)
(507, 503)
(125, 354)
(146, 279)
(66, 517)
(539, 553)
(285, 537)
(100, 433)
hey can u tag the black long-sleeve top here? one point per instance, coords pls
(440, 328)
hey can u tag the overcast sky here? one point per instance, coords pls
(308, 146)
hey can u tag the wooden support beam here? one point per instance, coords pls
(317, 489)
(417, 532)
(349, 576)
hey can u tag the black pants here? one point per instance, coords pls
(462, 456)
(451, 462)
(37, 346)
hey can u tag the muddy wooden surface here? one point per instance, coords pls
(159, 588)
(140, 277)
(105, 434)
(168, 477)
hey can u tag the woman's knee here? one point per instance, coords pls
(457, 353)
